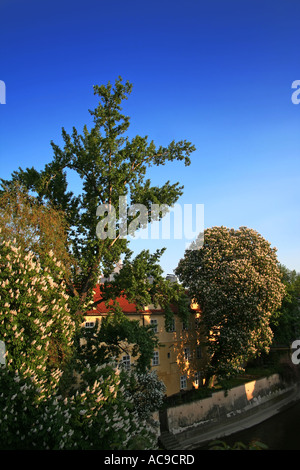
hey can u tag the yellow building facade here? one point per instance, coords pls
(180, 358)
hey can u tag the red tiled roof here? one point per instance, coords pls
(125, 305)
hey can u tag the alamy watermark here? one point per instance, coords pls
(2, 92)
(2, 353)
(178, 222)
(296, 94)
(296, 354)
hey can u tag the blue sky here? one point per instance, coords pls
(216, 73)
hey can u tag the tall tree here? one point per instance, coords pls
(110, 165)
(236, 280)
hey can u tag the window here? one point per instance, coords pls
(199, 352)
(187, 353)
(89, 324)
(153, 323)
(183, 382)
(125, 361)
(155, 359)
(197, 378)
(171, 326)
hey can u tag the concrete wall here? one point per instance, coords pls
(221, 405)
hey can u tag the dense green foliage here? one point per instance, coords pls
(286, 320)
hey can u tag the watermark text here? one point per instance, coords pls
(296, 94)
(2, 92)
(296, 354)
(177, 222)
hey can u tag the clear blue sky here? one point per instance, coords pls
(217, 73)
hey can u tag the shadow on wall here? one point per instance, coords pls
(189, 352)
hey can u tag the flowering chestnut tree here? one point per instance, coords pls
(147, 391)
(236, 280)
(35, 320)
(98, 416)
(36, 412)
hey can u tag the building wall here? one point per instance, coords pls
(181, 357)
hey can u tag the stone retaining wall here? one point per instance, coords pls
(224, 404)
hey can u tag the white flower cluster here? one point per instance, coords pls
(35, 320)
